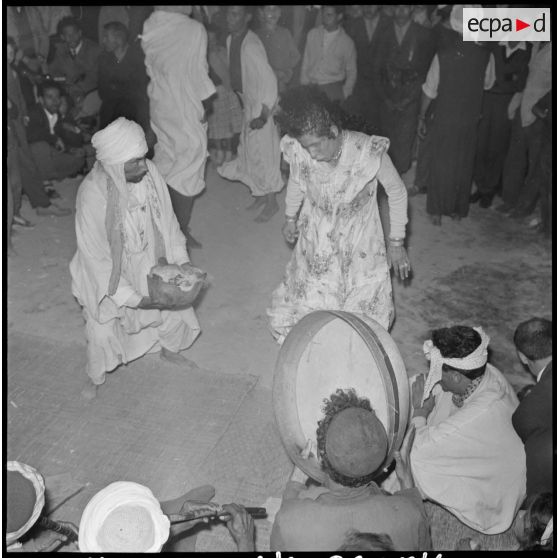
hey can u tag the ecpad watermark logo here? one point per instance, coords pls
(506, 24)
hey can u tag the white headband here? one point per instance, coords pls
(475, 360)
(548, 532)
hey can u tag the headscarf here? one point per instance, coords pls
(123, 517)
(456, 16)
(15, 504)
(472, 361)
(121, 141)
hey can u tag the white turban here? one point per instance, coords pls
(472, 361)
(38, 483)
(123, 517)
(119, 142)
(456, 17)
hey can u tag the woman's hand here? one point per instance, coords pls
(290, 231)
(399, 260)
(421, 130)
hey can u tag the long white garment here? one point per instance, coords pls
(470, 459)
(175, 49)
(118, 332)
(259, 154)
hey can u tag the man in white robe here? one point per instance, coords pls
(253, 79)
(124, 224)
(466, 455)
(175, 49)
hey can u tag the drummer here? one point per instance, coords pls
(124, 224)
(351, 445)
(25, 500)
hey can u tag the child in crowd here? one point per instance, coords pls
(224, 121)
(282, 53)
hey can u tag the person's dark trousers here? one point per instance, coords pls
(424, 156)
(493, 139)
(31, 182)
(182, 206)
(518, 187)
(543, 178)
(400, 126)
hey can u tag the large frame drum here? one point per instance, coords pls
(327, 350)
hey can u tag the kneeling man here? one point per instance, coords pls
(124, 224)
(466, 455)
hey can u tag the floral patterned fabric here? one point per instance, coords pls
(339, 261)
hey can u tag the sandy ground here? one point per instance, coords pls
(484, 270)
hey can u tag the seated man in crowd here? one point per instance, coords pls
(76, 62)
(124, 225)
(122, 78)
(46, 136)
(533, 419)
(466, 455)
(352, 445)
(329, 59)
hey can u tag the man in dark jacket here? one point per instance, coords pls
(365, 32)
(402, 61)
(45, 135)
(122, 78)
(533, 419)
(76, 62)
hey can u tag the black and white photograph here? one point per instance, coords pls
(279, 279)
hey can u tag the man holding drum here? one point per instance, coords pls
(352, 445)
(124, 224)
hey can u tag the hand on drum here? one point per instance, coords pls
(399, 260)
(403, 462)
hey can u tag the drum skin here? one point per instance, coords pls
(327, 350)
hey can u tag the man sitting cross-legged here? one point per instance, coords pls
(466, 455)
(124, 224)
(352, 445)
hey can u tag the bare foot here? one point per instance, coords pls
(176, 358)
(89, 391)
(258, 202)
(270, 209)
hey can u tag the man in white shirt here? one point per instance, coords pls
(466, 455)
(330, 57)
(124, 225)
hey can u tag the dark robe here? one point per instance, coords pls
(123, 87)
(533, 421)
(454, 126)
(401, 71)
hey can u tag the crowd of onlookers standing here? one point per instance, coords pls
(477, 118)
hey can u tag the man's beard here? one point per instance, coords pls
(136, 179)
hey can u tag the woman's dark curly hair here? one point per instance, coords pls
(458, 342)
(307, 110)
(540, 508)
(339, 401)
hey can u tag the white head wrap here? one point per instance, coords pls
(548, 532)
(36, 479)
(119, 142)
(474, 360)
(123, 517)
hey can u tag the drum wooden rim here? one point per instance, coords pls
(382, 349)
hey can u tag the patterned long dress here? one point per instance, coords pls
(339, 261)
